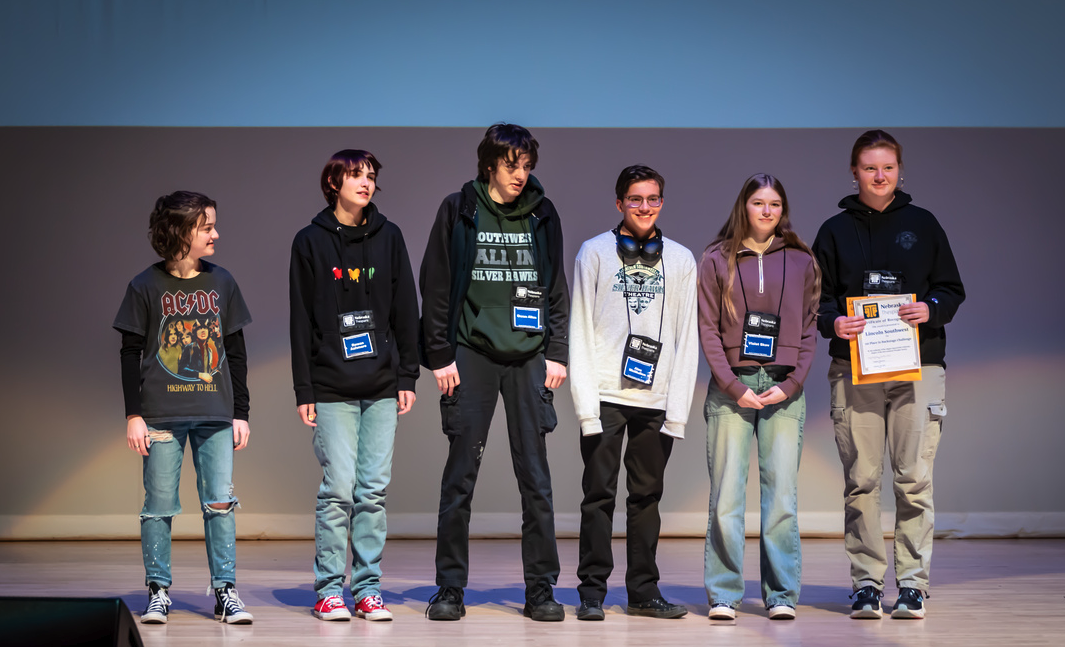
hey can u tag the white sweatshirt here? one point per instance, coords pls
(599, 328)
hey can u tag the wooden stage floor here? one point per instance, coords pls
(986, 592)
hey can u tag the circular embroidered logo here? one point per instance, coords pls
(906, 239)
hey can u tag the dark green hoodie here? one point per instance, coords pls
(504, 259)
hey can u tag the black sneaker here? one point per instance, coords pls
(656, 608)
(446, 604)
(909, 605)
(590, 610)
(228, 608)
(867, 603)
(158, 605)
(541, 606)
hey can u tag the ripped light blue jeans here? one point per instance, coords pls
(212, 455)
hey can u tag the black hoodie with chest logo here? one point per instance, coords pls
(903, 238)
(338, 269)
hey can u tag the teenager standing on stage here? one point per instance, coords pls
(354, 335)
(758, 294)
(881, 235)
(204, 402)
(634, 351)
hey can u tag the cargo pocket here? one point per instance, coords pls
(548, 418)
(450, 414)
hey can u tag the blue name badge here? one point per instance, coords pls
(638, 370)
(360, 345)
(759, 345)
(523, 318)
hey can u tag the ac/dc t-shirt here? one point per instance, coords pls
(184, 374)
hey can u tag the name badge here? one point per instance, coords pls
(355, 320)
(527, 308)
(358, 346)
(882, 282)
(639, 361)
(760, 332)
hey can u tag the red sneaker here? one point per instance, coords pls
(372, 607)
(332, 608)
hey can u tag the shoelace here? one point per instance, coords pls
(231, 603)
(159, 602)
(374, 602)
(333, 602)
(445, 594)
(876, 593)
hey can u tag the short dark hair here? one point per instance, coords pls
(342, 164)
(504, 141)
(638, 173)
(875, 139)
(172, 221)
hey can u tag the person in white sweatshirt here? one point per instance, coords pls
(634, 354)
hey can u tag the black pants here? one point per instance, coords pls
(466, 417)
(645, 463)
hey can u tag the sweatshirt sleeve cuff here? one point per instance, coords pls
(736, 389)
(673, 428)
(591, 426)
(407, 383)
(790, 386)
(304, 396)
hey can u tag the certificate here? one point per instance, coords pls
(888, 348)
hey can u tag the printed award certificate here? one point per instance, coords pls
(888, 344)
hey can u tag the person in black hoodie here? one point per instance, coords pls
(495, 315)
(354, 335)
(881, 234)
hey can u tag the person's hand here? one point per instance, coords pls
(556, 375)
(137, 434)
(307, 414)
(405, 402)
(206, 377)
(849, 327)
(241, 434)
(914, 313)
(447, 378)
(772, 395)
(749, 400)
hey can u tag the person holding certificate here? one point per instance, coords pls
(881, 244)
(758, 292)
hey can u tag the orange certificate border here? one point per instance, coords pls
(857, 377)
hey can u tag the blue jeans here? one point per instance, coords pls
(778, 430)
(212, 455)
(353, 442)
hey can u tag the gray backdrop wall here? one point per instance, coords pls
(76, 201)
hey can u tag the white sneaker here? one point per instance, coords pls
(781, 612)
(722, 612)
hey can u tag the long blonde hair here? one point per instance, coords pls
(736, 228)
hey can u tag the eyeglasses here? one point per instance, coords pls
(635, 201)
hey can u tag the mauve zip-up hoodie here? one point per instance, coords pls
(763, 279)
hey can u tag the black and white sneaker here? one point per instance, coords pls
(909, 605)
(228, 608)
(158, 605)
(867, 603)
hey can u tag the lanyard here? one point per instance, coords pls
(783, 278)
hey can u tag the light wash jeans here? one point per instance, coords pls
(778, 430)
(905, 421)
(212, 455)
(353, 442)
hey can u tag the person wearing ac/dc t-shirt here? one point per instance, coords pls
(495, 310)
(634, 359)
(354, 333)
(203, 403)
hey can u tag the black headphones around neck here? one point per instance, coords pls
(631, 250)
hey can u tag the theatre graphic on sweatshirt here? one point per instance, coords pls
(640, 285)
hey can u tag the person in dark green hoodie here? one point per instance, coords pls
(495, 319)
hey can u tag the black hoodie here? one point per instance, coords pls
(903, 238)
(337, 269)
